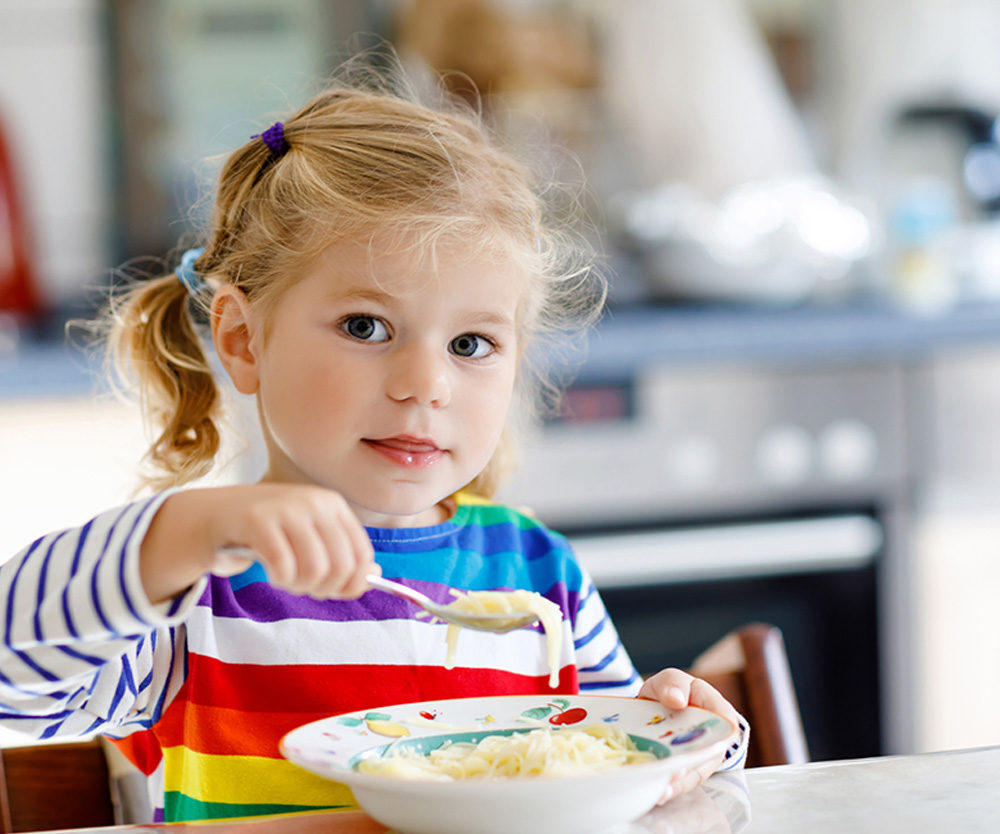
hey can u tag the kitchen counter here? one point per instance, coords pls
(629, 337)
(689, 335)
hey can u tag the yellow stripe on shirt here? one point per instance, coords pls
(248, 780)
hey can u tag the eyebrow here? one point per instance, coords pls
(363, 294)
(378, 297)
(497, 319)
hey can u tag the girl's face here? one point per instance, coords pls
(383, 379)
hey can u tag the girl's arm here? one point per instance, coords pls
(83, 649)
(92, 618)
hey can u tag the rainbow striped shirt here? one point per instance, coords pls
(198, 692)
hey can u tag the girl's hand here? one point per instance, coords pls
(307, 538)
(676, 689)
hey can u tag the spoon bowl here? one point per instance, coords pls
(496, 622)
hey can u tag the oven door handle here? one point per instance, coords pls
(730, 551)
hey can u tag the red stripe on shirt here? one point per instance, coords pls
(245, 709)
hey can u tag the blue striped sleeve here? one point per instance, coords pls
(603, 664)
(80, 651)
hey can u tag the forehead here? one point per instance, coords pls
(400, 269)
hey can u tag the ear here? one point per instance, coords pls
(233, 335)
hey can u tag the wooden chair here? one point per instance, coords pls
(749, 666)
(52, 786)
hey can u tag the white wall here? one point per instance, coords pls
(54, 110)
(956, 550)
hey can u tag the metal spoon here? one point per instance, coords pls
(495, 622)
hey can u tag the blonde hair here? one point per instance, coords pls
(361, 160)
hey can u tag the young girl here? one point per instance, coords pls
(374, 274)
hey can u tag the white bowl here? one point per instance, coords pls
(585, 804)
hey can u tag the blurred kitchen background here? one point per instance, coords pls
(792, 412)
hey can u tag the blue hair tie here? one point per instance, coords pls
(187, 273)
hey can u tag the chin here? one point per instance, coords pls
(404, 506)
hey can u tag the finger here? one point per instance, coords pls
(275, 553)
(670, 791)
(710, 767)
(364, 556)
(706, 696)
(687, 780)
(311, 560)
(350, 555)
(671, 687)
(225, 563)
(342, 563)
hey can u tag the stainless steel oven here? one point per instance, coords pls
(707, 496)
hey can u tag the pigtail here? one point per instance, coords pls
(154, 344)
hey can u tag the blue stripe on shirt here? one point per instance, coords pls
(480, 572)
(22, 716)
(9, 622)
(590, 635)
(86, 658)
(51, 730)
(96, 724)
(584, 686)
(94, 595)
(175, 605)
(500, 554)
(604, 661)
(8, 637)
(141, 647)
(128, 677)
(146, 681)
(119, 691)
(42, 581)
(158, 709)
(74, 568)
(121, 562)
(254, 573)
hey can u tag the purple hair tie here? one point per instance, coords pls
(274, 138)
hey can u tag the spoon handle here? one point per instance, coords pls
(375, 581)
(403, 591)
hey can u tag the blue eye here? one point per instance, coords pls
(471, 346)
(366, 329)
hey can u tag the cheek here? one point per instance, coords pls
(308, 393)
(492, 406)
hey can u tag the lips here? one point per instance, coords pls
(405, 451)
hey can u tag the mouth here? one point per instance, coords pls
(406, 451)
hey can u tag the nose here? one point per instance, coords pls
(419, 373)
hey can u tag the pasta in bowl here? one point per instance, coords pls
(534, 764)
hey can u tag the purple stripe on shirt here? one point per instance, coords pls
(262, 602)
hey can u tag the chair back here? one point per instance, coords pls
(749, 666)
(55, 786)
